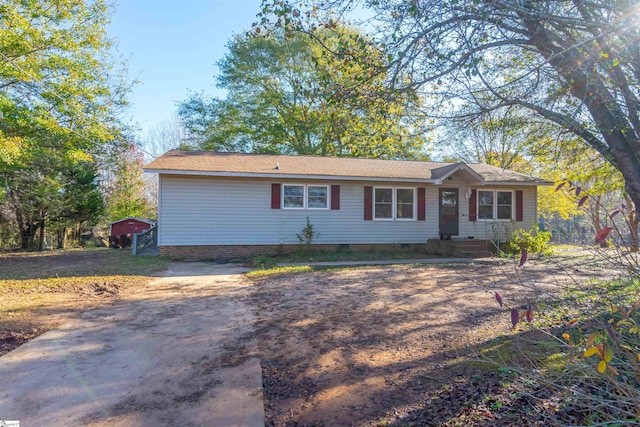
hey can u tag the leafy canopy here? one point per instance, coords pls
(61, 91)
(289, 94)
(575, 64)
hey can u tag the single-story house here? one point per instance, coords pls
(227, 205)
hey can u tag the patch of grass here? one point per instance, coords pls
(78, 262)
(278, 271)
(265, 261)
(37, 290)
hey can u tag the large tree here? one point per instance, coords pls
(574, 63)
(126, 189)
(61, 91)
(287, 94)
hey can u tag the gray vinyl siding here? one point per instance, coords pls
(226, 211)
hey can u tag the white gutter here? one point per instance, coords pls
(330, 177)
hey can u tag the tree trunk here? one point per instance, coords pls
(632, 222)
(41, 239)
(62, 234)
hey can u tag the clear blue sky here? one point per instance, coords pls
(172, 47)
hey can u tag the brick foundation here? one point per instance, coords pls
(242, 252)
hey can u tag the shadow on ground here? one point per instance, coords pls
(395, 346)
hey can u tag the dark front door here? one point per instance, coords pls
(449, 211)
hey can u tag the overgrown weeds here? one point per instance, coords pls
(582, 346)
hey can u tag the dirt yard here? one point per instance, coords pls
(39, 291)
(398, 345)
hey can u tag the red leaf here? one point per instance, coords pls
(529, 315)
(602, 235)
(578, 191)
(515, 317)
(622, 311)
(523, 258)
(559, 187)
(581, 202)
(499, 299)
(614, 213)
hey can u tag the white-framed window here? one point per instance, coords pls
(303, 196)
(485, 204)
(318, 196)
(293, 196)
(495, 204)
(394, 203)
(405, 203)
(504, 205)
(383, 203)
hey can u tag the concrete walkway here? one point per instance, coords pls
(162, 357)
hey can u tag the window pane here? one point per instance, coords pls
(449, 198)
(504, 212)
(293, 196)
(485, 212)
(404, 200)
(405, 195)
(405, 211)
(504, 197)
(485, 198)
(293, 190)
(504, 204)
(383, 204)
(383, 210)
(384, 195)
(317, 197)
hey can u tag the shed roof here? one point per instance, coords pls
(285, 166)
(129, 218)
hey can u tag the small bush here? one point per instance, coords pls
(534, 241)
(306, 236)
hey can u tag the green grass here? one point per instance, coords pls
(343, 255)
(78, 263)
(35, 284)
(278, 271)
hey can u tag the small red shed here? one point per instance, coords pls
(124, 228)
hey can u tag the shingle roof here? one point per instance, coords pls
(266, 165)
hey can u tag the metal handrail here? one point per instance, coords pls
(146, 239)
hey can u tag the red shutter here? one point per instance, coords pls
(275, 196)
(335, 197)
(519, 213)
(421, 204)
(368, 203)
(473, 206)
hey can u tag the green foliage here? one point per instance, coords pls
(306, 235)
(573, 66)
(533, 241)
(62, 91)
(126, 195)
(345, 255)
(286, 94)
(585, 339)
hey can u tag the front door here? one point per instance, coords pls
(449, 212)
